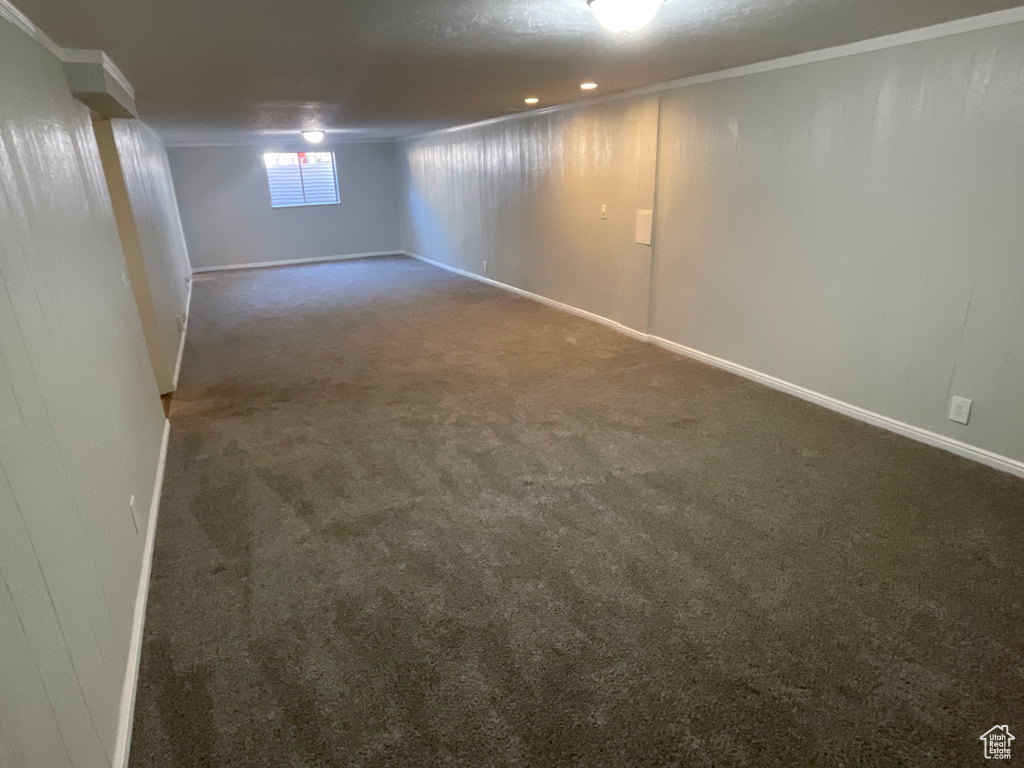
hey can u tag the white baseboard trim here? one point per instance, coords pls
(131, 677)
(181, 345)
(537, 297)
(950, 444)
(967, 451)
(294, 262)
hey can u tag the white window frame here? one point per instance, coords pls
(334, 173)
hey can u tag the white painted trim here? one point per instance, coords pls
(294, 262)
(66, 55)
(181, 345)
(537, 297)
(950, 444)
(22, 22)
(277, 139)
(17, 18)
(131, 677)
(981, 455)
(947, 29)
(90, 56)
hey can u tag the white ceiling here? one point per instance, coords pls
(210, 71)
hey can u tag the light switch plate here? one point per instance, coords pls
(960, 410)
(644, 226)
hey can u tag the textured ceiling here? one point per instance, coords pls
(208, 71)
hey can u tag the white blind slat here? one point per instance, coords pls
(285, 185)
(301, 178)
(318, 180)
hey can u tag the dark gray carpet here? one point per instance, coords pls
(411, 520)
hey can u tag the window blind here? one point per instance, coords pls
(301, 178)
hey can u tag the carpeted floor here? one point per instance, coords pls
(411, 520)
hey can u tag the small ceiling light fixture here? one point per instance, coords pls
(624, 16)
(531, 100)
(588, 86)
(313, 137)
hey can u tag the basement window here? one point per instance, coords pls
(301, 178)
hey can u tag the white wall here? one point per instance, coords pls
(146, 210)
(225, 206)
(525, 195)
(80, 428)
(852, 226)
(856, 227)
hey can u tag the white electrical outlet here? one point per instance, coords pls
(485, 266)
(960, 410)
(604, 211)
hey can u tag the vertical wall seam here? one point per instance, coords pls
(654, 225)
(60, 625)
(35, 661)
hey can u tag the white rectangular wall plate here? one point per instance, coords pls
(960, 410)
(644, 226)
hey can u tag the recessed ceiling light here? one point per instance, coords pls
(532, 100)
(625, 15)
(313, 137)
(588, 86)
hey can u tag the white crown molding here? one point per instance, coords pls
(17, 18)
(946, 29)
(65, 55)
(967, 451)
(24, 23)
(276, 139)
(88, 56)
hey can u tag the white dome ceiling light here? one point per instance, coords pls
(624, 16)
(313, 137)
